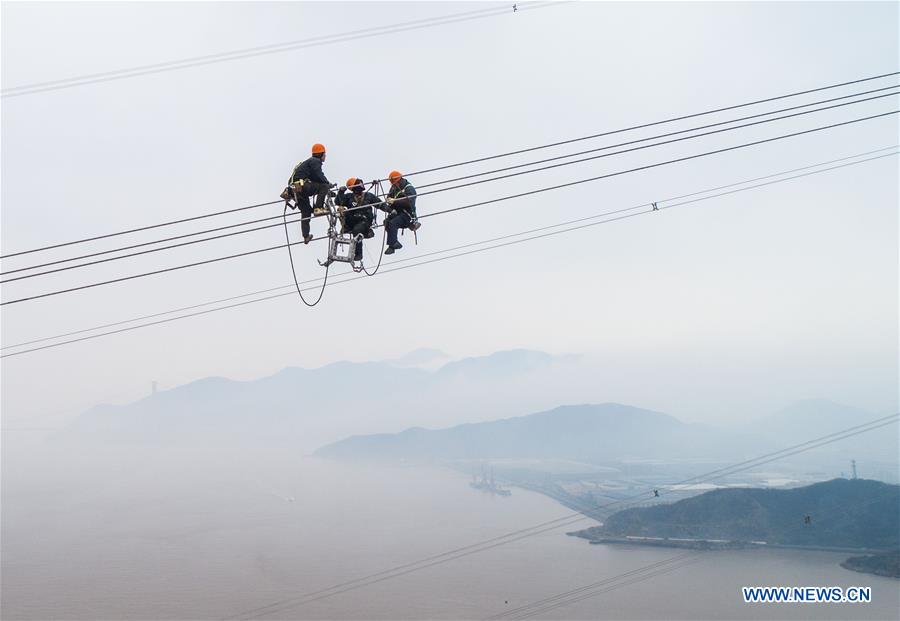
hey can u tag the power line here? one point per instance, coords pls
(684, 131)
(482, 159)
(152, 250)
(689, 559)
(251, 230)
(547, 526)
(553, 602)
(656, 144)
(151, 243)
(691, 528)
(277, 48)
(455, 209)
(646, 125)
(681, 159)
(666, 570)
(503, 540)
(141, 228)
(639, 570)
(567, 520)
(504, 237)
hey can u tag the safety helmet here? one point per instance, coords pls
(395, 176)
(318, 149)
(355, 184)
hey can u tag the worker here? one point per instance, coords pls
(308, 180)
(401, 207)
(357, 214)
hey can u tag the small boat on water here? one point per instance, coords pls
(488, 485)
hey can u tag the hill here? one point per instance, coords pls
(887, 564)
(842, 514)
(601, 432)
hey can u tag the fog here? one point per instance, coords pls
(186, 470)
(203, 501)
(793, 285)
(172, 533)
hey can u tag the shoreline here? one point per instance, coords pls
(716, 544)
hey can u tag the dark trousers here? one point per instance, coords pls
(306, 212)
(394, 223)
(320, 191)
(358, 227)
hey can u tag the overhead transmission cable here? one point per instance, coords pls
(652, 124)
(647, 206)
(278, 217)
(530, 532)
(618, 581)
(567, 520)
(684, 131)
(262, 50)
(481, 159)
(456, 209)
(641, 574)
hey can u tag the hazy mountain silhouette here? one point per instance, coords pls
(302, 409)
(817, 417)
(603, 432)
(308, 407)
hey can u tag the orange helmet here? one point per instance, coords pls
(355, 184)
(318, 148)
(395, 176)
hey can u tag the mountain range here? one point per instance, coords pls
(306, 408)
(410, 408)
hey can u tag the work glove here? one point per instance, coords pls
(390, 201)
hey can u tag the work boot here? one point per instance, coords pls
(307, 239)
(390, 250)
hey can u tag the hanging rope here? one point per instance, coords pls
(379, 193)
(293, 270)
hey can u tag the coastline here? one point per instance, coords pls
(715, 544)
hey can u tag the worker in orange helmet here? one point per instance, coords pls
(306, 181)
(401, 207)
(357, 215)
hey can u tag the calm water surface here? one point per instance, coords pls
(142, 534)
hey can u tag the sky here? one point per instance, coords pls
(741, 302)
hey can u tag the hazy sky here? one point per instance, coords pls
(790, 290)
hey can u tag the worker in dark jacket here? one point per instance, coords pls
(308, 180)
(401, 207)
(357, 213)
